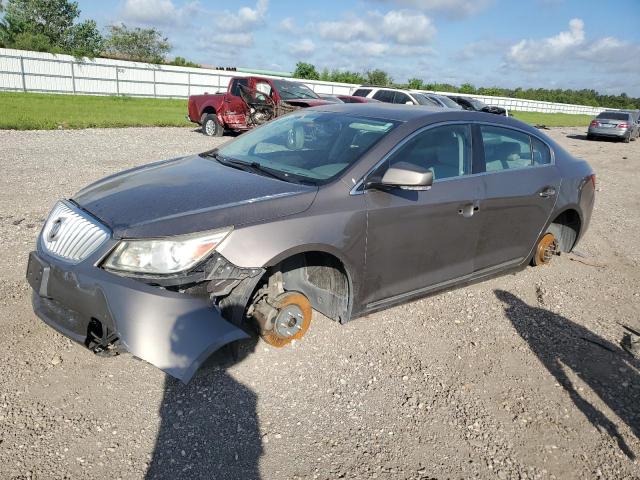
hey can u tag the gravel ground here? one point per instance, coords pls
(518, 377)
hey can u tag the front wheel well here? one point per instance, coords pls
(566, 228)
(322, 278)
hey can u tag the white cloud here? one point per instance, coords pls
(450, 8)
(395, 27)
(528, 53)
(303, 47)
(349, 29)
(408, 28)
(152, 12)
(360, 48)
(287, 25)
(245, 18)
(236, 29)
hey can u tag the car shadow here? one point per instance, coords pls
(576, 136)
(209, 428)
(562, 345)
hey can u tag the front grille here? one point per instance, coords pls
(72, 235)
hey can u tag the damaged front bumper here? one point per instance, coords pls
(174, 331)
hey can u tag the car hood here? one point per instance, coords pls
(187, 195)
(309, 102)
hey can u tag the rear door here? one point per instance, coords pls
(521, 184)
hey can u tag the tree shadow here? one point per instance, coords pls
(209, 428)
(608, 370)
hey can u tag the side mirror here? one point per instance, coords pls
(406, 177)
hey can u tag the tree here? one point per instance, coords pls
(378, 77)
(306, 71)
(183, 62)
(347, 77)
(137, 44)
(48, 25)
(415, 84)
(467, 88)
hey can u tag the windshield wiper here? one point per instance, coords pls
(270, 172)
(250, 167)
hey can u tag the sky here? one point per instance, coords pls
(506, 43)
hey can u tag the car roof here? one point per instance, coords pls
(390, 111)
(378, 87)
(422, 115)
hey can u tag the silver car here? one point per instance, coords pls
(614, 124)
(344, 209)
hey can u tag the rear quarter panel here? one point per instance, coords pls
(577, 191)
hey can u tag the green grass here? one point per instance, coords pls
(36, 111)
(553, 119)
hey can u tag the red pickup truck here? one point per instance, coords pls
(249, 102)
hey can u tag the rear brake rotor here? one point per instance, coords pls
(546, 249)
(291, 322)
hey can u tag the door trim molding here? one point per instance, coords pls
(447, 283)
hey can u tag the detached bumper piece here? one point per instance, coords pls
(107, 313)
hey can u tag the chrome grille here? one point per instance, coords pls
(70, 234)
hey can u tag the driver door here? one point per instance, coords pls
(420, 240)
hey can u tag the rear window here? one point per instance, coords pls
(362, 92)
(614, 115)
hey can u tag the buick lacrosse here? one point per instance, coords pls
(344, 209)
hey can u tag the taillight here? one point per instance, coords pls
(594, 123)
(593, 180)
(623, 125)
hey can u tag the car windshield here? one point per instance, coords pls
(477, 104)
(292, 90)
(614, 115)
(448, 102)
(308, 145)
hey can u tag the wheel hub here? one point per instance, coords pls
(547, 248)
(291, 321)
(210, 127)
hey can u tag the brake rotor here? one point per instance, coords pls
(546, 249)
(291, 322)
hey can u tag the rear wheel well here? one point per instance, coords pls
(321, 277)
(566, 228)
(206, 111)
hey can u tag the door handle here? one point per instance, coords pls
(468, 209)
(547, 192)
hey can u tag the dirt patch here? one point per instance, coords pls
(522, 376)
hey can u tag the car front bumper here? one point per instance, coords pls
(175, 332)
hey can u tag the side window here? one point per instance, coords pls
(446, 151)
(235, 87)
(505, 149)
(540, 152)
(384, 96)
(361, 92)
(401, 98)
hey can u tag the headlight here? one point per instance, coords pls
(164, 255)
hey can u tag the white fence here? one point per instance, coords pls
(44, 72)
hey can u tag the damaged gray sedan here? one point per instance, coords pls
(343, 209)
